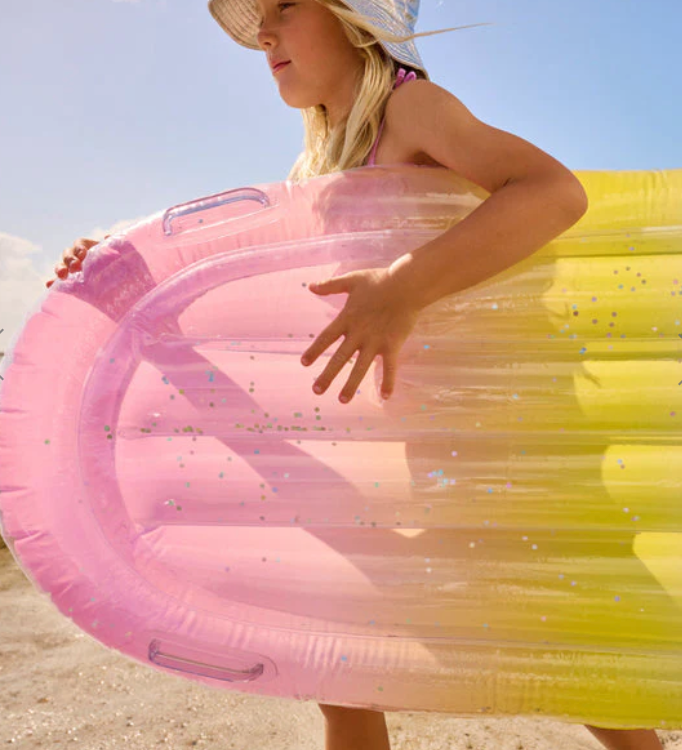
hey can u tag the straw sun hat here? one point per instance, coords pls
(240, 18)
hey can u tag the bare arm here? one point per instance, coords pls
(509, 226)
(534, 198)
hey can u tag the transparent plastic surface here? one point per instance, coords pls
(502, 536)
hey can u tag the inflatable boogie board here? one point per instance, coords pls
(502, 536)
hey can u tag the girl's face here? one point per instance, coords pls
(324, 64)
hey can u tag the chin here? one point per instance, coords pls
(297, 102)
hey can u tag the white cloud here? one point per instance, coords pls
(21, 280)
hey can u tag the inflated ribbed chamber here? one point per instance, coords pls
(502, 536)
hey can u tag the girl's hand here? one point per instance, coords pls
(375, 320)
(72, 258)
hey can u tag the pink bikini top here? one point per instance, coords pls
(400, 78)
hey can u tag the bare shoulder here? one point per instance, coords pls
(428, 119)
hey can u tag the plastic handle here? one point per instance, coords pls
(186, 661)
(212, 201)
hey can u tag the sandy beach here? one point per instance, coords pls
(60, 688)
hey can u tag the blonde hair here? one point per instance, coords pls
(348, 144)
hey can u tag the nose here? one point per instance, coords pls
(265, 36)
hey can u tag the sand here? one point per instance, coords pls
(59, 688)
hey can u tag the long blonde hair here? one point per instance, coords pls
(349, 143)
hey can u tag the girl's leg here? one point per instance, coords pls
(627, 739)
(354, 728)
(361, 729)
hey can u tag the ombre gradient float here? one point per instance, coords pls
(502, 536)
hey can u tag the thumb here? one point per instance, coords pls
(329, 286)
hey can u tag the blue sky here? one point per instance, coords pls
(115, 109)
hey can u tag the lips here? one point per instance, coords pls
(280, 65)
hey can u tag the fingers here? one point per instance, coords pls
(330, 334)
(338, 360)
(361, 366)
(364, 361)
(390, 367)
(72, 258)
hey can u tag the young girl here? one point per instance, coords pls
(354, 72)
